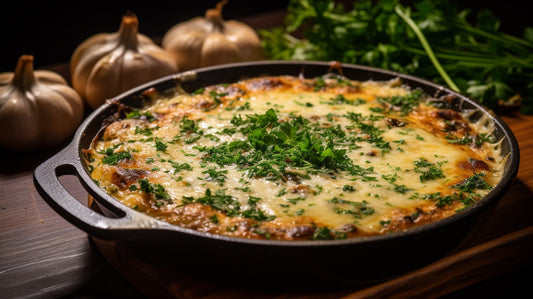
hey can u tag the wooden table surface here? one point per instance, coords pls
(44, 256)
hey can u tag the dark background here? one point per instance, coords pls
(50, 32)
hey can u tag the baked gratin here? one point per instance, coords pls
(293, 158)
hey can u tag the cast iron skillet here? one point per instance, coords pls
(307, 265)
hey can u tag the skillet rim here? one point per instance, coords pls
(165, 229)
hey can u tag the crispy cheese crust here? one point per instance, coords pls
(289, 158)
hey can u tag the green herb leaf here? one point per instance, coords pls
(425, 38)
(114, 158)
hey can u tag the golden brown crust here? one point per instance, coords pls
(167, 174)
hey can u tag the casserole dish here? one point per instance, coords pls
(305, 265)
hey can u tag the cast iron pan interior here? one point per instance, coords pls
(266, 263)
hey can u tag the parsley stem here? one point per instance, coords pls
(293, 40)
(505, 39)
(427, 47)
(474, 60)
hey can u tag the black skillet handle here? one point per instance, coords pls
(46, 180)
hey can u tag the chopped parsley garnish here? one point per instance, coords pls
(357, 209)
(322, 233)
(272, 146)
(465, 194)
(306, 104)
(472, 183)
(230, 206)
(180, 166)
(404, 104)
(219, 201)
(428, 170)
(348, 188)
(157, 190)
(384, 222)
(114, 157)
(136, 114)
(190, 131)
(441, 201)
(472, 140)
(214, 218)
(188, 125)
(215, 175)
(257, 214)
(216, 96)
(295, 200)
(401, 189)
(145, 130)
(341, 100)
(160, 145)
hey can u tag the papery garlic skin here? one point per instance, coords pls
(38, 109)
(107, 64)
(210, 40)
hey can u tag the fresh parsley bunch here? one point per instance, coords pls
(434, 40)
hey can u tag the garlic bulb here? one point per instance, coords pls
(38, 108)
(209, 40)
(107, 64)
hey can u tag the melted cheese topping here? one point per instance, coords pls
(291, 159)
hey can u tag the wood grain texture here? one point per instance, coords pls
(458, 270)
(41, 254)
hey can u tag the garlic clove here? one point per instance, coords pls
(217, 49)
(185, 49)
(212, 38)
(246, 40)
(38, 109)
(108, 64)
